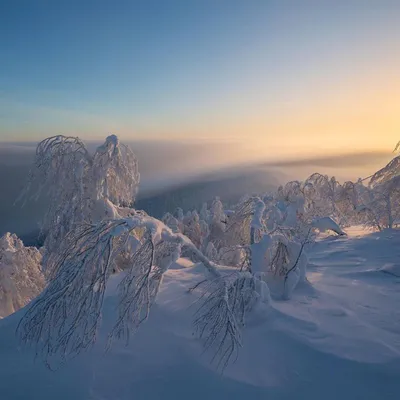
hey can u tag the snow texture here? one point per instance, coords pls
(338, 337)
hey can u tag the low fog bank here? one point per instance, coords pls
(230, 184)
(344, 167)
(178, 174)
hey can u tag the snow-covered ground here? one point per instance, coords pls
(337, 338)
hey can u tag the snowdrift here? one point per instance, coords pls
(338, 337)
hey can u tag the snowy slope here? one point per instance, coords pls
(337, 338)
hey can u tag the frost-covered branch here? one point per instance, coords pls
(221, 317)
(64, 320)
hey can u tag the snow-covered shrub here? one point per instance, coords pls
(231, 255)
(21, 278)
(252, 229)
(251, 246)
(287, 266)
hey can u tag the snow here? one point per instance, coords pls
(390, 268)
(259, 208)
(21, 277)
(338, 337)
(327, 224)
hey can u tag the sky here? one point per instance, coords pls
(279, 78)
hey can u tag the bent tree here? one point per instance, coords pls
(91, 231)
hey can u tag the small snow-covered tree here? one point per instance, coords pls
(211, 252)
(347, 202)
(205, 213)
(172, 222)
(391, 170)
(280, 252)
(320, 193)
(217, 221)
(192, 228)
(21, 278)
(82, 187)
(288, 263)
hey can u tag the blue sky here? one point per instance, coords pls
(250, 71)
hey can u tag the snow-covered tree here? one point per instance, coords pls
(258, 244)
(320, 193)
(65, 319)
(381, 206)
(172, 222)
(205, 213)
(92, 233)
(21, 278)
(192, 228)
(217, 221)
(82, 187)
(378, 204)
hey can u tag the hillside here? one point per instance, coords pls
(338, 337)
